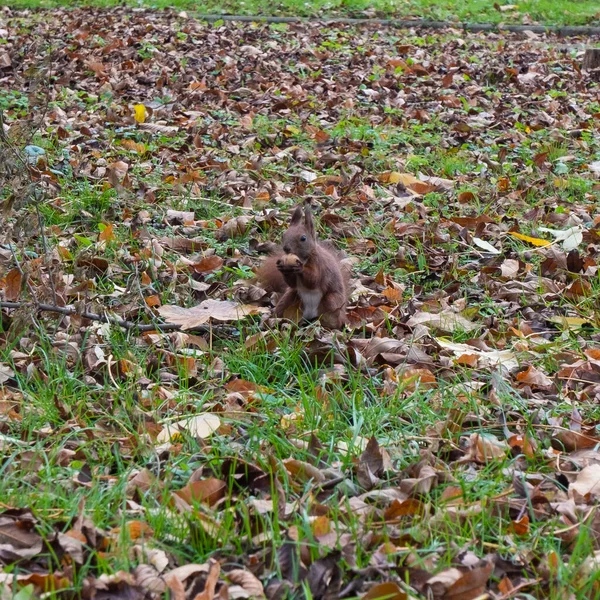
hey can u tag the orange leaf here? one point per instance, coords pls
(153, 300)
(465, 197)
(320, 526)
(469, 360)
(521, 527)
(12, 282)
(107, 234)
(406, 508)
(208, 264)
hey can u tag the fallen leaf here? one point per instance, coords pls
(485, 246)
(445, 320)
(140, 113)
(219, 310)
(530, 240)
(387, 590)
(199, 426)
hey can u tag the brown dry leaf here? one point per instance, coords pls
(509, 268)
(403, 508)
(466, 197)
(219, 310)
(586, 486)
(12, 285)
(418, 378)
(388, 590)
(208, 264)
(460, 584)
(159, 129)
(211, 581)
(578, 289)
(181, 217)
(234, 228)
(249, 582)
(107, 234)
(534, 377)
(370, 465)
(209, 491)
(6, 373)
(487, 447)
(303, 471)
(521, 527)
(134, 146)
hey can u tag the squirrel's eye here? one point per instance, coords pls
(303, 238)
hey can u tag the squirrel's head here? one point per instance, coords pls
(300, 238)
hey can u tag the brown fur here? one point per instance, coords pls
(317, 279)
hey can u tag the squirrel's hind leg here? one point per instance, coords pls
(289, 298)
(333, 310)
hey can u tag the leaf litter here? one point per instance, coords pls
(443, 445)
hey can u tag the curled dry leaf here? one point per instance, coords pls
(180, 217)
(460, 584)
(586, 487)
(303, 471)
(249, 582)
(219, 310)
(534, 377)
(208, 491)
(234, 228)
(6, 373)
(486, 447)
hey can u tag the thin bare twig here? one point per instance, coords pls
(64, 310)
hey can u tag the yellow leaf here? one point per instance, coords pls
(570, 322)
(394, 177)
(140, 113)
(531, 240)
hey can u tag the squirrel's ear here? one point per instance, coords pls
(297, 216)
(308, 220)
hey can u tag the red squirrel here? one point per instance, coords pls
(307, 271)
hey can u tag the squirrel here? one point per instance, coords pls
(307, 271)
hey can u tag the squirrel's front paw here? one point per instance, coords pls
(290, 264)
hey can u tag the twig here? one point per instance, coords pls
(36, 199)
(63, 310)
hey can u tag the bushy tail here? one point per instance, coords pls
(268, 274)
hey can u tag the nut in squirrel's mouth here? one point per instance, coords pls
(291, 259)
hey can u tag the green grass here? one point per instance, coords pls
(548, 12)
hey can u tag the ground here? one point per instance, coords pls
(443, 444)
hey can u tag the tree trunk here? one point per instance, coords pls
(591, 59)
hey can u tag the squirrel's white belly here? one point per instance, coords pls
(310, 302)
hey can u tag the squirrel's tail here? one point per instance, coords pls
(268, 275)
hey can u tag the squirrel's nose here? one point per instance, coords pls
(287, 249)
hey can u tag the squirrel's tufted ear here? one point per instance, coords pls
(297, 216)
(308, 220)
